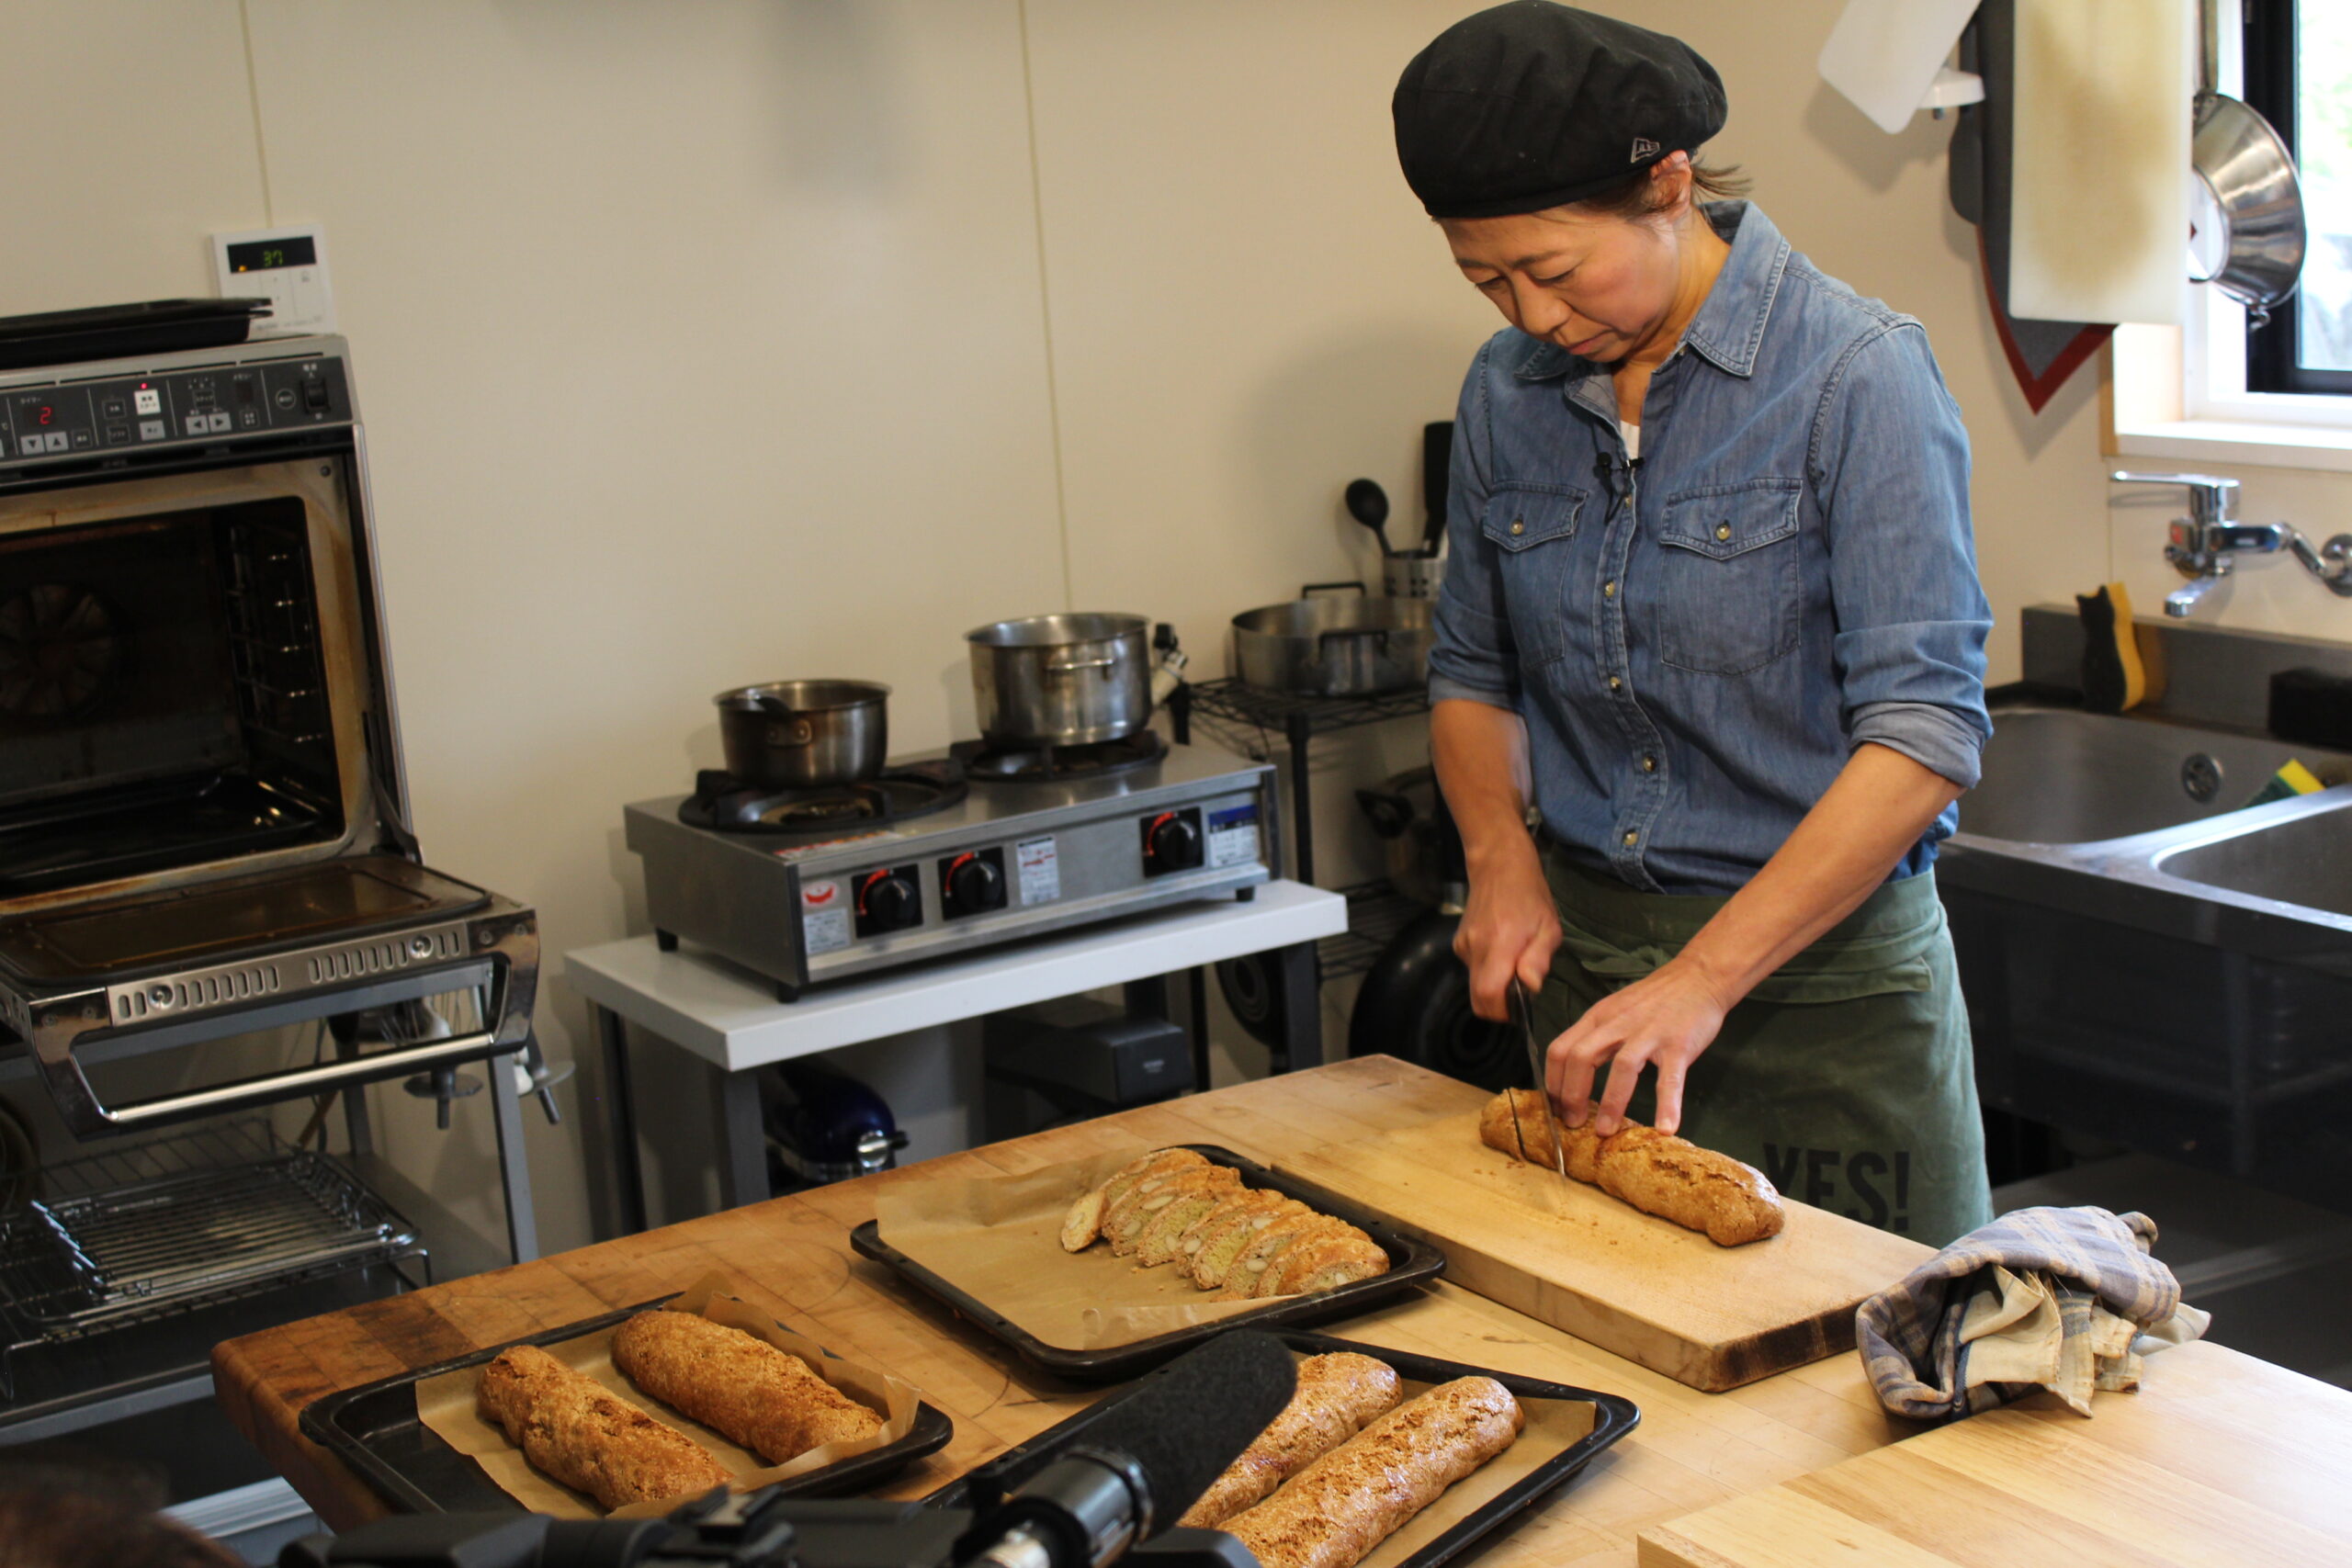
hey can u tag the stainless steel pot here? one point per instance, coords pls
(2254, 250)
(805, 734)
(1062, 680)
(1335, 646)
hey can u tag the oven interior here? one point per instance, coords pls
(163, 695)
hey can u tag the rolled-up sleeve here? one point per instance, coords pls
(1473, 656)
(1890, 459)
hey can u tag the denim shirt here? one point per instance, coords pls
(1697, 641)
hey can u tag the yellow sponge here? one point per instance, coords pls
(2113, 678)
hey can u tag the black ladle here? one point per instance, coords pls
(1368, 504)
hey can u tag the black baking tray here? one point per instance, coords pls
(986, 1485)
(118, 331)
(375, 1431)
(1410, 1261)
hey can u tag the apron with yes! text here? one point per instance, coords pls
(1846, 1077)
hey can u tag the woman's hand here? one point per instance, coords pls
(1509, 928)
(1665, 1019)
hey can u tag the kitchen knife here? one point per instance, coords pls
(1524, 1012)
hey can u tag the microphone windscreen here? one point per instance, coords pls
(1198, 1415)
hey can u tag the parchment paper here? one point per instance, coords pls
(1554, 1426)
(1000, 1240)
(445, 1405)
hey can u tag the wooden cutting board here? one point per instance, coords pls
(1713, 1317)
(2220, 1459)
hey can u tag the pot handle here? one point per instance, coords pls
(776, 708)
(1308, 590)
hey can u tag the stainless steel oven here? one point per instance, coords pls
(205, 837)
(203, 814)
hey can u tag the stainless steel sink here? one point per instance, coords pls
(2147, 958)
(2063, 776)
(2300, 859)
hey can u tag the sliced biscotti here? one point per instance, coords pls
(1165, 1230)
(1123, 1221)
(1223, 1247)
(1083, 1224)
(1327, 1262)
(1250, 1274)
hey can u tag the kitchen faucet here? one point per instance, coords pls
(2204, 544)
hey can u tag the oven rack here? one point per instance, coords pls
(133, 1235)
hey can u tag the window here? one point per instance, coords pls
(2298, 70)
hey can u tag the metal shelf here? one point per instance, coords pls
(133, 1235)
(1376, 913)
(1236, 702)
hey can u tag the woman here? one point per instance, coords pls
(1711, 610)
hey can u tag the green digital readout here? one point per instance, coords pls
(269, 255)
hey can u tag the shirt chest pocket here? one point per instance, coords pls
(1729, 588)
(1532, 527)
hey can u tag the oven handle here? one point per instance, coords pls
(292, 1083)
(514, 954)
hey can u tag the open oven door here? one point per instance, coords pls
(94, 982)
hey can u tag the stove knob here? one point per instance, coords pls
(887, 902)
(974, 886)
(1173, 844)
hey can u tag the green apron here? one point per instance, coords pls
(1846, 1076)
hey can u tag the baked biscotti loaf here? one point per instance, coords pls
(1656, 1172)
(734, 1382)
(1676, 1179)
(1336, 1395)
(1327, 1262)
(571, 1426)
(1346, 1502)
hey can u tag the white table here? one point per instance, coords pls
(729, 1018)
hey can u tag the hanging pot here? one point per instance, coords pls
(2254, 241)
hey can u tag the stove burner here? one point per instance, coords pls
(724, 802)
(1030, 764)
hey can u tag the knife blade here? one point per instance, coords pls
(1524, 1012)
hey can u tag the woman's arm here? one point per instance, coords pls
(1509, 925)
(1873, 813)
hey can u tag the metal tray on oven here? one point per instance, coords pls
(988, 1484)
(375, 1430)
(1410, 1261)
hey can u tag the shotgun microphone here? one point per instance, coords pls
(1148, 1460)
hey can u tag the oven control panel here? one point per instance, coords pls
(175, 409)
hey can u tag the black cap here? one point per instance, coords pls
(1532, 105)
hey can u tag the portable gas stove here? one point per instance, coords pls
(948, 851)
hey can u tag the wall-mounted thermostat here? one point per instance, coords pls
(286, 266)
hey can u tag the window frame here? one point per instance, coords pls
(2273, 354)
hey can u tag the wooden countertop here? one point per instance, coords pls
(792, 1256)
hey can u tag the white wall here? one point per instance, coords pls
(707, 343)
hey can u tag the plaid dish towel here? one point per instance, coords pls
(2064, 1299)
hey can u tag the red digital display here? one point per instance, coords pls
(45, 416)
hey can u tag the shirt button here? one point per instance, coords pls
(1615, 684)
(1517, 527)
(1608, 590)
(1649, 764)
(1722, 530)
(1630, 837)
